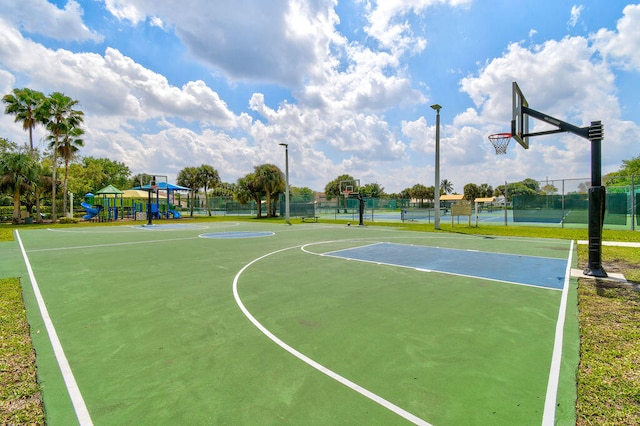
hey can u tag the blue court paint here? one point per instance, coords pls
(238, 234)
(517, 269)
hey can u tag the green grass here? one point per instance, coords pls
(609, 373)
(20, 401)
(608, 382)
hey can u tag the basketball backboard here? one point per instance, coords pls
(520, 120)
(350, 187)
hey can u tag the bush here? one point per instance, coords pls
(68, 220)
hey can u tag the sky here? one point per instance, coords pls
(348, 85)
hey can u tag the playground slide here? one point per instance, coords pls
(91, 211)
(176, 214)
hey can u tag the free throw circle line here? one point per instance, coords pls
(343, 380)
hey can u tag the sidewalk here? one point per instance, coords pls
(613, 243)
(612, 276)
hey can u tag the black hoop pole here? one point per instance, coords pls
(597, 192)
(597, 201)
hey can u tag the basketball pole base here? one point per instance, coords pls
(597, 273)
(597, 197)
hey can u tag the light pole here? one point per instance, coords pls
(436, 203)
(286, 193)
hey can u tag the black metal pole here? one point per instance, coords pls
(149, 220)
(597, 198)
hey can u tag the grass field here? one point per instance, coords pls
(154, 335)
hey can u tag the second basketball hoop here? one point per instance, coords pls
(500, 142)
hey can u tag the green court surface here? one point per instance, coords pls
(264, 323)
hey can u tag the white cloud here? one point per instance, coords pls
(342, 94)
(575, 15)
(277, 42)
(623, 46)
(294, 44)
(113, 84)
(388, 23)
(42, 17)
(560, 79)
(126, 10)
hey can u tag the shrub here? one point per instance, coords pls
(68, 220)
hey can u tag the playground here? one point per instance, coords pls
(138, 203)
(264, 323)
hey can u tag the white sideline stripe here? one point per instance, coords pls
(129, 243)
(72, 387)
(548, 417)
(372, 396)
(612, 243)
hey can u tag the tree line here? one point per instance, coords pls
(26, 170)
(27, 176)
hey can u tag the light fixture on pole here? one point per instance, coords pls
(436, 202)
(286, 193)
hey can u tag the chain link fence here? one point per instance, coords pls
(551, 202)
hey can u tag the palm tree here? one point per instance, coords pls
(24, 104)
(42, 186)
(67, 149)
(18, 171)
(419, 192)
(190, 178)
(272, 181)
(33, 197)
(446, 187)
(249, 188)
(210, 179)
(60, 117)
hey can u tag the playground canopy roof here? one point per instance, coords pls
(109, 189)
(452, 197)
(135, 193)
(163, 186)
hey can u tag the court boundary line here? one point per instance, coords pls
(112, 244)
(79, 406)
(316, 365)
(549, 413)
(124, 228)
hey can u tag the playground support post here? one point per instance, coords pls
(149, 214)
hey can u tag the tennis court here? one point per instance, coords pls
(263, 323)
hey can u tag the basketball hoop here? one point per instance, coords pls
(500, 142)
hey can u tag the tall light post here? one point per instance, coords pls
(286, 193)
(436, 203)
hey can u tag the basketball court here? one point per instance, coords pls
(259, 323)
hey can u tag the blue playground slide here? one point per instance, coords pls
(91, 211)
(176, 214)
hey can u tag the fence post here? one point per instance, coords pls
(633, 205)
(505, 203)
(562, 203)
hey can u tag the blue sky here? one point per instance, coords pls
(348, 85)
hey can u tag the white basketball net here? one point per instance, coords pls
(500, 142)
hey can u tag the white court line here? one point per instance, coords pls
(372, 396)
(548, 417)
(72, 387)
(113, 244)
